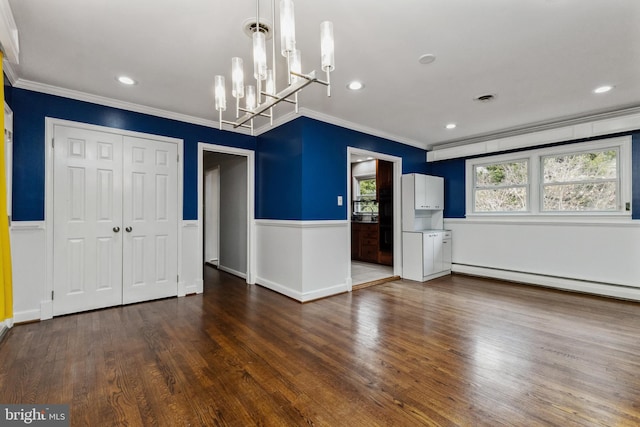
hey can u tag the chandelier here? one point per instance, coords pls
(259, 99)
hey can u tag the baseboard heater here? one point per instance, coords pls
(576, 285)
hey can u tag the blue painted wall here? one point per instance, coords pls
(453, 172)
(279, 173)
(31, 108)
(300, 166)
(315, 153)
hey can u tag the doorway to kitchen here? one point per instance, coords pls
(374, 217)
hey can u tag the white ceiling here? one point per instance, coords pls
(541, 58)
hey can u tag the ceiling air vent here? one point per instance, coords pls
(485, 98)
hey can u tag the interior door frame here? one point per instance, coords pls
(251, 220)
(46, 307)
(217, 218)
(397, 206)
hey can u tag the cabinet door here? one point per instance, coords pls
(434, 192)
(438, 254)
(420, 191)
(446, 254)
(428, 254)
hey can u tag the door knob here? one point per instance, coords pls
(116, 229)
(128, 229)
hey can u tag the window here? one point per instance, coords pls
(575, 182)
(580, 179)
(366, 196)
(501, 187)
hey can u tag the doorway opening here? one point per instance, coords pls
(374, 216)
(226, 209)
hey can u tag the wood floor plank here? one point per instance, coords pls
(455, 351)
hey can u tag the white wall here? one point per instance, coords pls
(304, 260)
(212, 215)
(28, 253)
(589, 256)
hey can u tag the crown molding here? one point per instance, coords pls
(361, 128)
(9, 41)
(9, 71)
(114, 103)
(138, 108)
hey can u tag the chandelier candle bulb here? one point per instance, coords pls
(270, 85)
(237, 77)
(326, 46)
(220, 93)
(327, 54)
(287, 27)
(259, 56)
(250, 98)
(295, 66)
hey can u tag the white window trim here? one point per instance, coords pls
(622, 144)
(527, 186)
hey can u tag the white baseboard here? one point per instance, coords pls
(46, 310)
(182, 289)
(303, 296)
(26, 316)
(279, 288)
(325, 292)
(194, 288)
(596, 288)
(232, 271)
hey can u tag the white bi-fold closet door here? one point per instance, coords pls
(115, 219)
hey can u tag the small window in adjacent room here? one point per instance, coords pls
(586, 178)
(366, 196)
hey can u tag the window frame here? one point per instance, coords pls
(525, 186)
(536, 178)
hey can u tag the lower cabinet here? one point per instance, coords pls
(426, 254)
(364, 242)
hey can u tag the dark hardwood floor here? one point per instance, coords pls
(454, 351)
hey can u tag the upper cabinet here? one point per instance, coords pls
(427, 191)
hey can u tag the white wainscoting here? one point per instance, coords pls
(304, 260)
(28, 252)
(31, 293)
(190, 267)
(589, 256)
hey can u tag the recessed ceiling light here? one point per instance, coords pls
(427, 58)
(451, 126)
(602, 89)
(125, 80)
(369, 158)
(355, 85)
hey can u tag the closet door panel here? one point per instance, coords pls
(87, 270)
(150, 220)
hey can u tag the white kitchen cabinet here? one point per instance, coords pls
(426, 191)
(426, 254)
(422, 202)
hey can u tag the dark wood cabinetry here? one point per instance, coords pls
(364, 241)
(384, 188)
